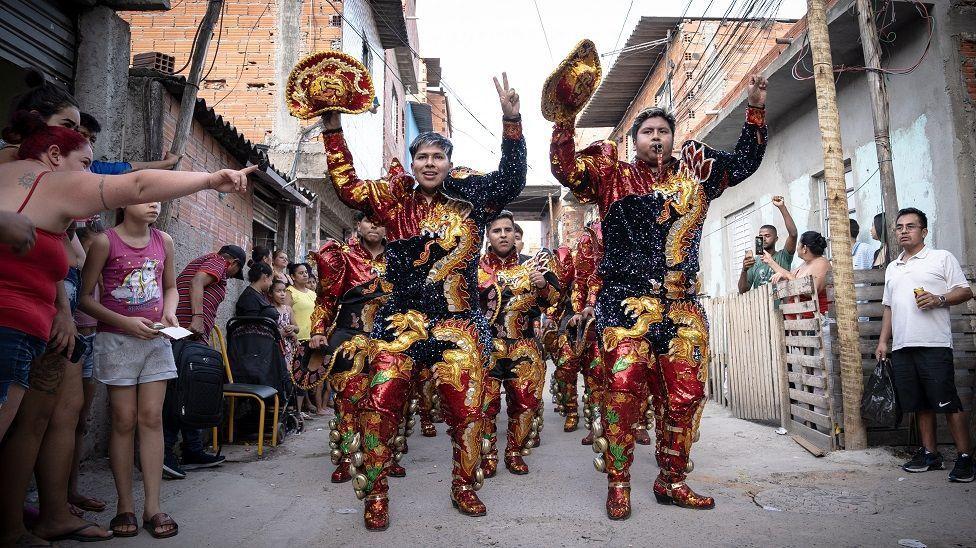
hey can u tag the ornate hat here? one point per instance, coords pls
(572, 84)
(326, 81)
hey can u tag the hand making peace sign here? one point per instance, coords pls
(507, 97)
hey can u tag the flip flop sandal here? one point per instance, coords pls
(90, 504)
(78, 537)
(160, 520)
(123, 520)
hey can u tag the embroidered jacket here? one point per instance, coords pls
(652, 220)
(510, 300)
(432, 254)
(586, 284)
(351, 287)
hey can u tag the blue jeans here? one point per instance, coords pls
(17, 351)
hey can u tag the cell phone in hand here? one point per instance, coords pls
(759, 246)
(79, 350)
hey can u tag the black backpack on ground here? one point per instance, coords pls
(200, 385)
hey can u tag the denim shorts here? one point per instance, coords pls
(88, 359)
(72, 285)
(17, 352)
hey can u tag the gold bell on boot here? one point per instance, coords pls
(485, 446)
(599, 464)
(600, 445)
(357, 459)
(359, 482)
(354, 443)
(336, 456)
(690, 467)
(334, 436)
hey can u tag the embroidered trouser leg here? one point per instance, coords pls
(627, 364)
(492, 405)
(566, 374)
(350, 389)
(594, 376)
(380, 415)
(460, 377)
(523, 393)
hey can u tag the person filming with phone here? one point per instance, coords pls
(755, 272)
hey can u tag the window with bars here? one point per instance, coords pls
(335, 21)
(740, 238)
(820, 181)
(689, 74)
(336, 43)
(687, 38)
(687, 57)
(691, 115)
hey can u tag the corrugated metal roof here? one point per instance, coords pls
(624, 79)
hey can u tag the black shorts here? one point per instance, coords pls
(925, 379)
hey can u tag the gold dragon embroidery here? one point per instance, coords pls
(692, 333)
(407, 329)
(465, 358)
(647, 311)
(453, 232)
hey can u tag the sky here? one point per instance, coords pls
(476, 40)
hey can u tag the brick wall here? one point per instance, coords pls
(691, 102)
(967, 51)
(243, 75)
(440, 112)
(393, 112)
(218, 219)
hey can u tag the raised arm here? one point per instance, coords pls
(83, 194)
(580, 172)
(718, 169)
(507, 182)
(374, 198)
(790, 245)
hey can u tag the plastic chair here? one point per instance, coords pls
(233, 390)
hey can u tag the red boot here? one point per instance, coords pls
(588, 440)
(618, 500)
(341, 474)
(397, 471)
(572, 422)
(377, 513)
(467, 502)
(427, 428)
(515, 464)
(679, 494)
(642, 436)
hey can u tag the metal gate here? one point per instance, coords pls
(41, 34)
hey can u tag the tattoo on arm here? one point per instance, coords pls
(101, 192)
(27, 180)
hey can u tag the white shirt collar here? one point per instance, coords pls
(922, 253)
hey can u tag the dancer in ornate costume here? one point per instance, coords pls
(513, 288)
(434, 223)
(351, 290)
(653, 331)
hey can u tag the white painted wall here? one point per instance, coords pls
(923, 149)
(364, 132)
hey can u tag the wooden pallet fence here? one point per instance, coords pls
(810, 379)
(745, 356)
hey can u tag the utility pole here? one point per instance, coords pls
(879, 112)
(851, 374)
(185, 121)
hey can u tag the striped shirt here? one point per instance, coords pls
(213, 294)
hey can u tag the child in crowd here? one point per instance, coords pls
(139, 297)
(289, 329)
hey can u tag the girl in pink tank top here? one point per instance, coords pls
(131, 357)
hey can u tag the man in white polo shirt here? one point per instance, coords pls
(920, 286)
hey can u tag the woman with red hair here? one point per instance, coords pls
(50, 185)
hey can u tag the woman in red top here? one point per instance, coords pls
(811, 249)
(49, 185)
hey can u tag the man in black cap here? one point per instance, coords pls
(202, 287)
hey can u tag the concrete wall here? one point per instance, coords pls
(102, 74)
(364, 132)
(933, 165)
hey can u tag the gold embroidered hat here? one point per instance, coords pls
(572, 84)
(328, 81)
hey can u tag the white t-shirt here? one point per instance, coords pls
(862, 255)
(935, 271)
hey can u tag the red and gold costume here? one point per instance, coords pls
(432, 318)
(351, 290)
(653, 331)
(511, 303)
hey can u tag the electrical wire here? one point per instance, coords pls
(545, 34)
(616, 43)
(220, 34)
